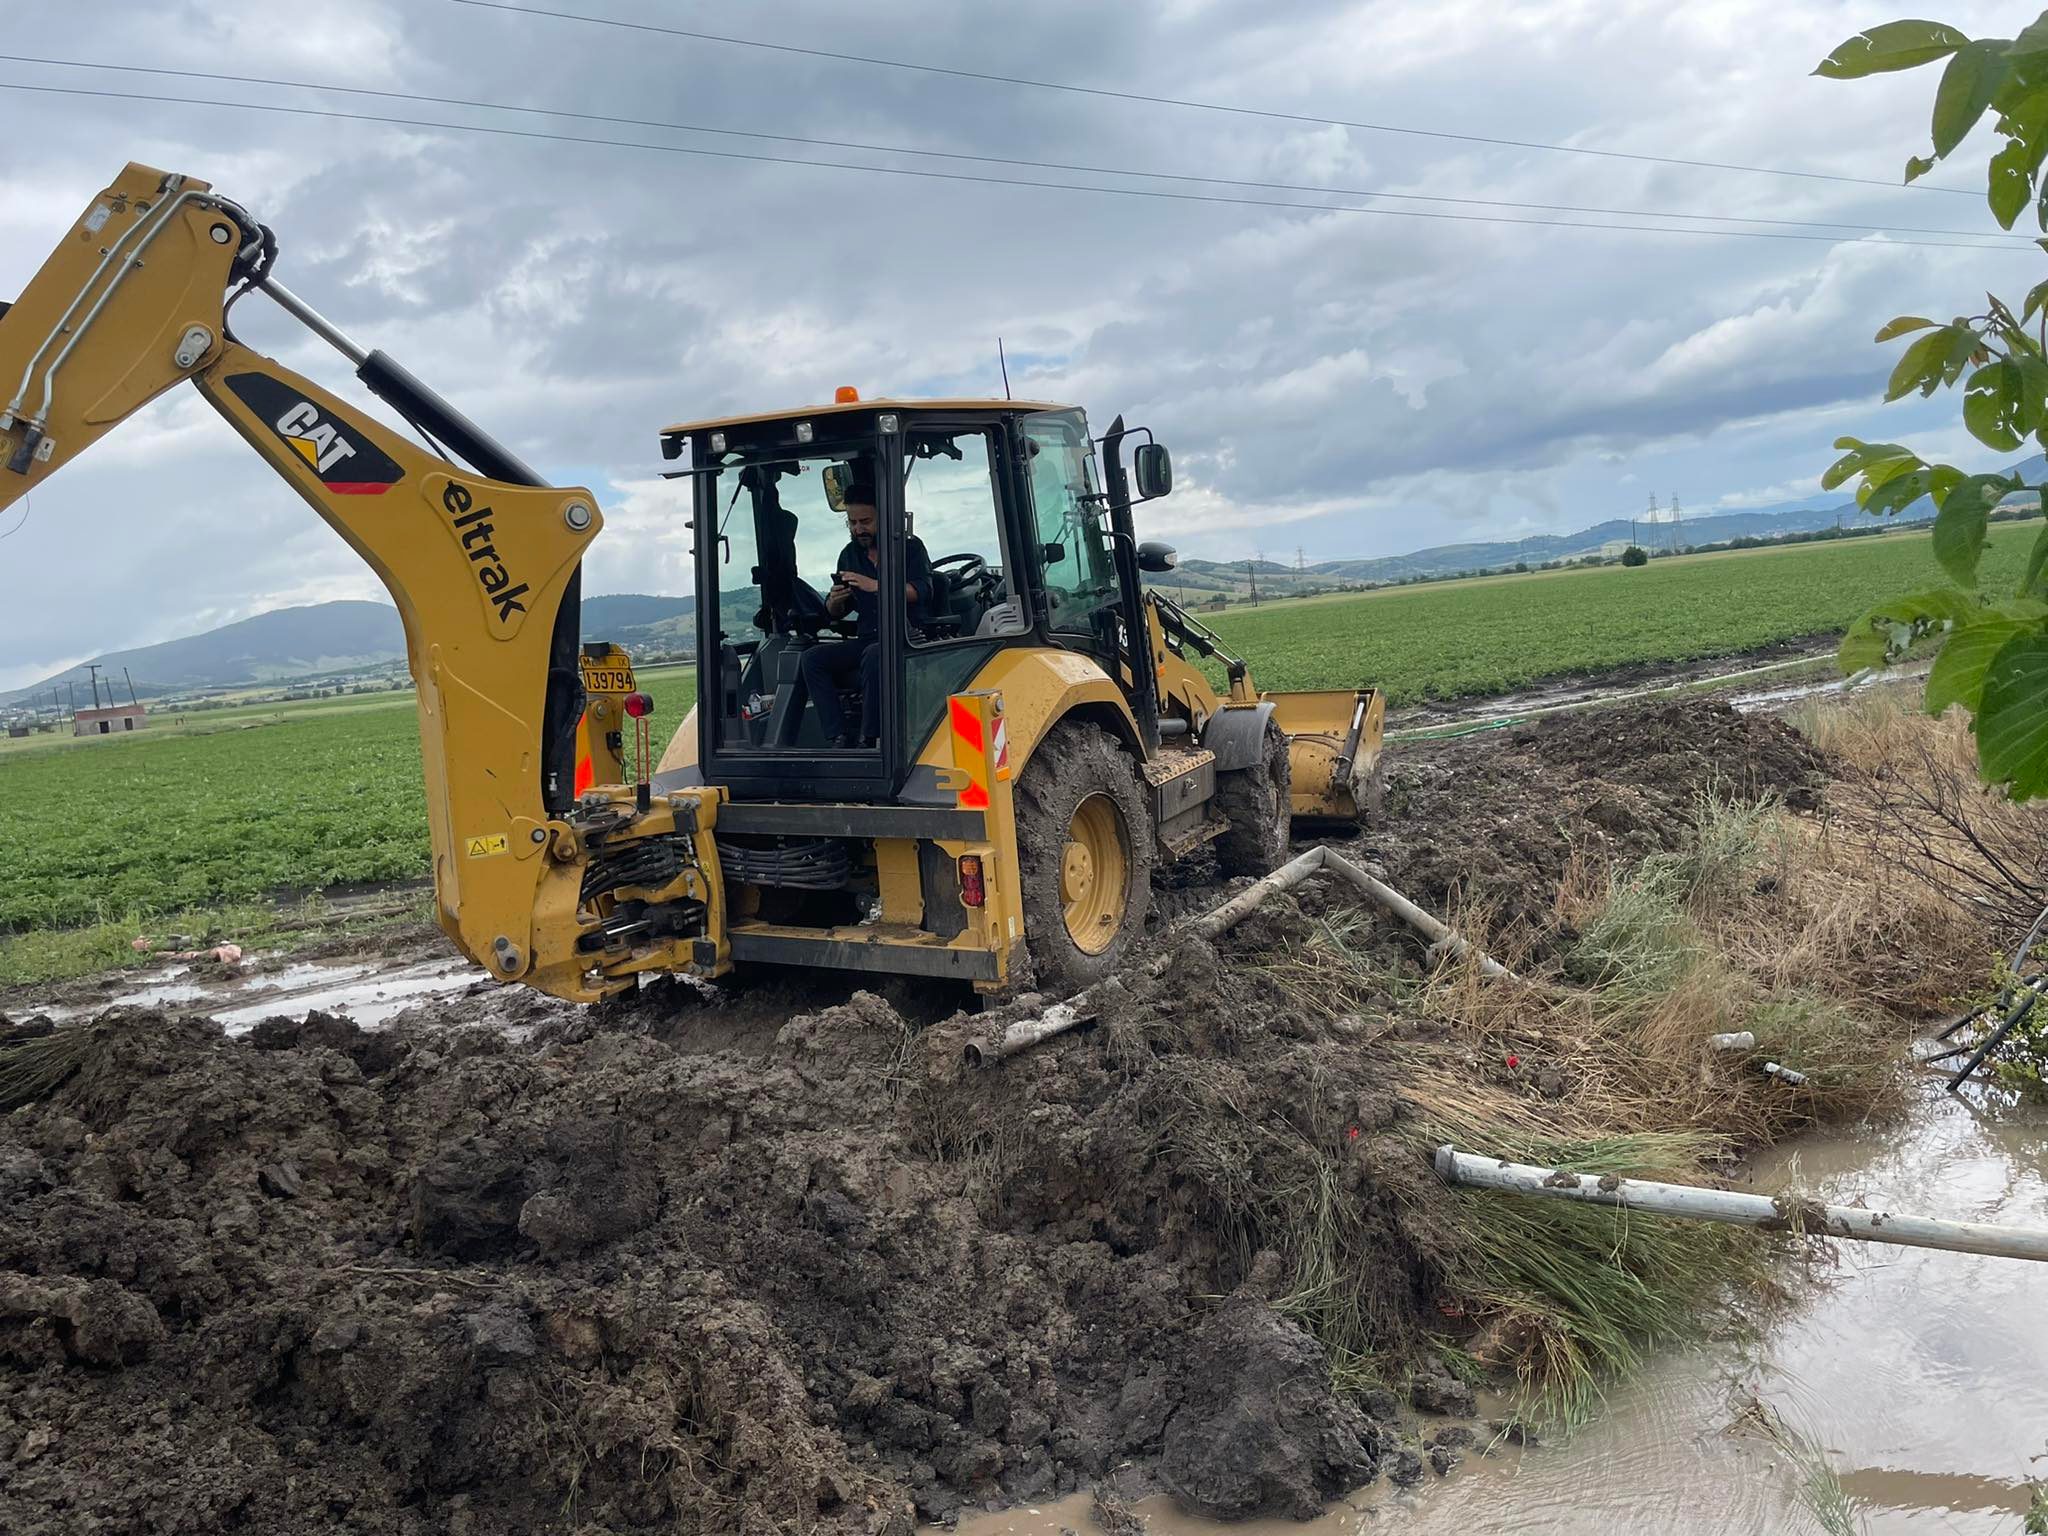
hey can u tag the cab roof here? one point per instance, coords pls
(839, 408)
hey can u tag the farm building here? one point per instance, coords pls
(107, 721)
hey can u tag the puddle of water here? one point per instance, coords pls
(1920, 1376)
(357, 988)
(367, 996)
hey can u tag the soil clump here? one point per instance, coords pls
(1489, 823)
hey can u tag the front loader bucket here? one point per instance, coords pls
(1333, 749)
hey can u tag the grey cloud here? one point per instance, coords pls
(1376, 383)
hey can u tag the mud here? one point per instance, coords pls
(750, 1259)
(1490, 823)
(1585, 686)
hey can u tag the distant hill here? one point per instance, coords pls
(329, 638)
(325, 639)
(1278, 579)
(317, 640)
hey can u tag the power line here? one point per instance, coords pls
(1198, 106)
(962, 176)
(1997, 236)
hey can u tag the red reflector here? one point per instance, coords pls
(638, 705)
(972, 892)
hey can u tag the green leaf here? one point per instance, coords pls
(1964, 345)
(1957, 676)
(1894, 45)
(2011, 181)
(2033, 39)
(1987, 406)
(1918, 166)
(1872, 639)
(1919, 366)
(1885, 471)
(2027, 392)
(2012, 717)
(2036, 297)
(1959, 530)
(1897, 493)
(1942, 479)
(2037, 559)
(1903, 324)
(1859, 455)
(1972, 78)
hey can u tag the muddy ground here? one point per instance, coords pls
(745, 1260)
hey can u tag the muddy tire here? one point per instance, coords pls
(1084, 856)
(1256, 803)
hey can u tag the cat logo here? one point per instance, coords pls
(346, 462)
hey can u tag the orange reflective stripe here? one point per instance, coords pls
(966, 723)
(586, 770)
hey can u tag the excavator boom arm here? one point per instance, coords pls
(482, 562)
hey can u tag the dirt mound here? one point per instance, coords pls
(1492, 821)
(666, 1266)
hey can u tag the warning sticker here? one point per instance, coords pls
(484, 847)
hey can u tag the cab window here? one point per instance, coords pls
(950, 508)
(1078, 575)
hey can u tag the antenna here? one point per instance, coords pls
(1005, 364)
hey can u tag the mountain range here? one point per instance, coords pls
(322, 640)
(326, 640)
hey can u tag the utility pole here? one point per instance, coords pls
(71, 683)
(131, 686)
(1677, 523)
(94, 668)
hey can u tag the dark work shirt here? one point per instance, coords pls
(917, 570)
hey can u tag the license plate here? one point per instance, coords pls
(608, 679)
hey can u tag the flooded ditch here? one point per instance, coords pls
(1914, 1382)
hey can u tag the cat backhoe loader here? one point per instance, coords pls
(1036, 732)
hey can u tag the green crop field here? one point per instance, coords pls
(236, 803)
(1451, 639)
(262, 798)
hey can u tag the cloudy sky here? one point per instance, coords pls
(1343, 383)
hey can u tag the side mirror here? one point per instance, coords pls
(1052, 554)
(1156, 557)
(1154, 466)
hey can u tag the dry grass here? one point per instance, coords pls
(1759, 920)
(1910, 805)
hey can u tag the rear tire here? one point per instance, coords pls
(1084, 856)
(1257, 802)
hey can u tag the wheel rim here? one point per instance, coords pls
(1095, 874)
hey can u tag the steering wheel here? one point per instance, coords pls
(973, 570)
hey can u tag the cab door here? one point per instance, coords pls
(1077, 593)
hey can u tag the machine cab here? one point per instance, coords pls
(857, 563)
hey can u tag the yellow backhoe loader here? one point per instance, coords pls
(941, 729)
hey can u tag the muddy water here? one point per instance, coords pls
(370, 992)
(1919, 1378)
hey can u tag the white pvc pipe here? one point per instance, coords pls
(1785, 1214)
(1026, 1033)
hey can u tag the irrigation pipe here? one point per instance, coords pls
(1784, 1214)
(1081, 1007)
